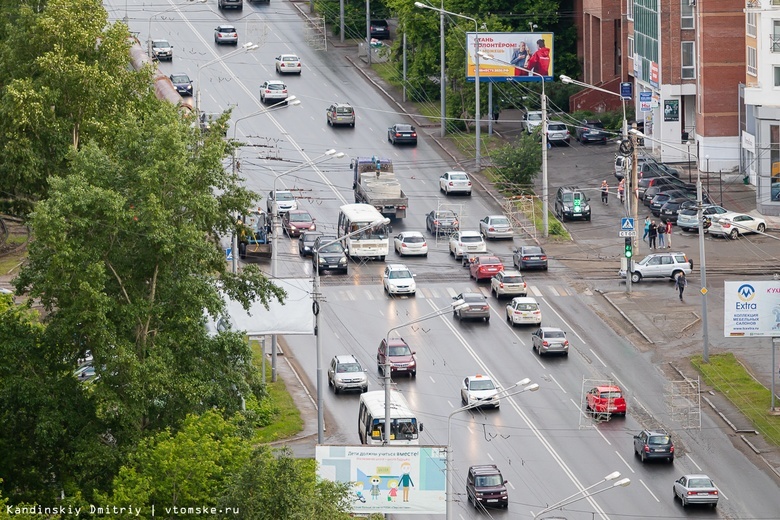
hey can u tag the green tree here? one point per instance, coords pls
(274, 486)
(518, 163)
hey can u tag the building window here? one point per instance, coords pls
(631, 47)
(688, 51)
(752, 61)
(686, 14)
(630, 9)
(751, 24)
(777, 76)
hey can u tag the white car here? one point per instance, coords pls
(496, 226)
(523, 310)
(162, 50)
(281, 201)
(531, 120)
(467, 242)
(479, 390)
(398, 279)
(273, 90)
(688, 219)
(455, 182)
(410, 243)
(735, 225)
(288, 64)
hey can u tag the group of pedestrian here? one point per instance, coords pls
(658, 232)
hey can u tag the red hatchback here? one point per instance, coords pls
(606, 399)
(485, 267)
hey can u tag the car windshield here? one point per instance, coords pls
(344, 110)
(459, 177)
(404, 428)
(700, 483)
(368, 234)
(300, 217)
(180, 78)
(275, 86)
(500, 221)
(532, 251)
(413, 240)
(227, 29)
(403, 128)
(513, 279)
(473, 298)
(400, 350)
(488, 481)
(400, 274)
(489, 261)
(527, 306)
(348, 367)
(284, 196)
(445, 215)
(161, 43)
(470, 239)
(659, 440)
(534, 116)
(290, 58)
(611, 395)
(310, 237)
(332, 248)
(554, 126)
(482, 384)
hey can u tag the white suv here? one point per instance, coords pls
(660, 265)
(467, 242)
(397, 279)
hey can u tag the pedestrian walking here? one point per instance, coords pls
(647, 229)
(621, 189)
(680, 284)
(605, 192)
(669, 234)
(652, 234)
(661, 235)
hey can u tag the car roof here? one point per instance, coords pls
(656, 432)
(482, 377)
(473, 294)
(496, 216)
(524, 299)
(289, 56)
(160, 41)
(697, 475)
(470, 233)
(511, 272)
(346, 358)
(484, 469)
(551, 329)
(410, 234)
(397, 267)
(275, 82)
(342, 105)
(456, 171)
(396, 341)
(483, 258)
(607, 388)
(226, 28)
(298, 212)
(403, 126)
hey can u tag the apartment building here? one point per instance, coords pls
(760, 103)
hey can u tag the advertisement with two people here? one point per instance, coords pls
(517, 56)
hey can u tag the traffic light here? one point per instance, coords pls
(629, 249)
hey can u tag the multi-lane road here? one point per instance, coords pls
(545, 445)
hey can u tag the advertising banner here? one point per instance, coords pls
(671, 110)
(530, 51)
(752, 309)
(388, 479)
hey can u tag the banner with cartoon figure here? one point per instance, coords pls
(388, 479)
(517, 56)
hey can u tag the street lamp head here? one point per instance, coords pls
(612, 476)
(330, 152)
(339, 155)
(420, 4)
(533, 387)
(622, 482)
(483, 54)
(293, 103)
(636, 132)
(523, 381)
(380, 222)
(565, 78)
(247, 45)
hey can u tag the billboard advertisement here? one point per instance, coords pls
(530, 51)
(752, 309)
(388, 479)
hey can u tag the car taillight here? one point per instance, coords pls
(414, 134)
(435, 222)
(566, 343)
(398, 134)
(403, 244)
(469, 184)
(501, 285)
(545, 343)
(491, 228)
(544, 257)
(525, 286)
(451, 183)
(647, 448)
(671, 450)
(485, 307)
(400, 207)
(454, 222)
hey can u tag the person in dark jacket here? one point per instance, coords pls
(653, 234)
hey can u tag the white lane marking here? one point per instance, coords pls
(336, 334)
(490, 456)
(602, 436)
(616, 378)
(450, 403)
(694, 462)
(571, 329)
(369, 294)
(559, 385)
(624, 462)
(552, 290)
(510, 485)
(648, 490)
(451, 292)
(537, 433)
(535, 290)
(597, 357)
(432, 381)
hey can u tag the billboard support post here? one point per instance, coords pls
(775, 341)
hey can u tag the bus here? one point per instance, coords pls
(404, 428)
(372, 243)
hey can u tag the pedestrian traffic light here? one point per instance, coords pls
(629, 250)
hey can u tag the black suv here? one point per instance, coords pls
(331, 256)
(486, 487)
(571, 203)
(380, 29)
(654, 444)
(591, 131)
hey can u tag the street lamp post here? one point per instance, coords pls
(290, 101)
(328, 155)
(583, 494)
(247, 47)
(631, 185)
(702, 257)
(316, 309)
(527, 387)
(545, 182)
(477, 109)
(172, 8)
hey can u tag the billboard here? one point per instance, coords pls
(532, 51)
(388, 479)
(752, 309)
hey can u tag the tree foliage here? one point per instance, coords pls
(518, 163)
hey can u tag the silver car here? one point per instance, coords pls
(162, 50)
(660, 265)
(557, 133)
(225, 34)
(696, 489)
(455, 182)
(469, 305)
(345, 373)
(550, 339)
(496, 226)
(508, 283)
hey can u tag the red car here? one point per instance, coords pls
(397, 354)
(485, 267)
(606, 399)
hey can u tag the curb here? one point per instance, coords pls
(629, 320)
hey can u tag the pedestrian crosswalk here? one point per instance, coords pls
(363, 293)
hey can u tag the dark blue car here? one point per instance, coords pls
(182, 83)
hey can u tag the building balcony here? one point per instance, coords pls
(774, 41)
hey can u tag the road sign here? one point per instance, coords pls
(627, 224)
(229, 254)
(626, 90)
(627, 234)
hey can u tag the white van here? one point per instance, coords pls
(622, 166)
(404, 427)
